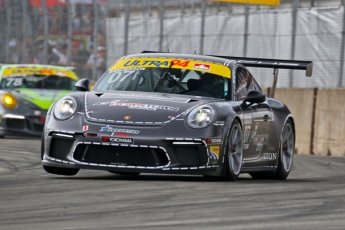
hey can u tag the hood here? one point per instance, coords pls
(42, 98)
(139, 107)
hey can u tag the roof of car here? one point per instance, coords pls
(180, 55)
(7, 69)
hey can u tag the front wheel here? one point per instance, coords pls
(234, 152)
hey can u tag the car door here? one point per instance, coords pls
(256, 117)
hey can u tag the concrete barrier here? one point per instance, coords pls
(329, 134)
(301, 104)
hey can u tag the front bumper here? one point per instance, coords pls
(22, 125)
(153, 154)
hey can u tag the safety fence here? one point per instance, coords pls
(92, 34)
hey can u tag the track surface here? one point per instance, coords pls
(313, 197)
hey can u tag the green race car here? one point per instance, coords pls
(26, 93)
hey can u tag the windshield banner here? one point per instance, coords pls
(44, 71)
(196, 65)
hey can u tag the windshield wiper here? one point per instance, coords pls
(163, 78)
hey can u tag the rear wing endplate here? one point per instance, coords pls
(273, 63)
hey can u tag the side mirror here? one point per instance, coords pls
(254, 96)
(83, 85)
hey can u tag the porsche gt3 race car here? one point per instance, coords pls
(26, 93)
(173, 113)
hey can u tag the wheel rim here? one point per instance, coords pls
(287, 147)
(235, 150)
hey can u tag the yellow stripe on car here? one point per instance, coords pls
(210, 67)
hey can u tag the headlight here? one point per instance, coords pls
(201, 117)
(9, 101)
(65, 108)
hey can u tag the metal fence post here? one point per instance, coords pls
(202, 34)
(293, 36)
(247, 8)
(69, 32)
(340, 81)
(125, 46)
(44, 57)
(95, 39)
(8, 29)
(161, 24)
(24, 29)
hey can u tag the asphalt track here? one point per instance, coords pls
(313, 197)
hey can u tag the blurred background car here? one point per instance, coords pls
(27, 92)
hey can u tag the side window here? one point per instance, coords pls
(244, 83)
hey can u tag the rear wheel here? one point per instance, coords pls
(285, 155)
(60, 171)
(234, 153)
(286, 151)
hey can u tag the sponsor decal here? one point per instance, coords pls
(85, 127)
(144, 106)
(214, 152)
(246, 133)
(115, 130)
(156, 63)
(120, 134)
(38, 70)
(60, 73)
(106, 102)
(219, 122)
(270, 156)
(37, 112)
(120, 140)
(245, 146)
(259, 141)
(127, 117)
(128, 69)
(202, 66)
(213, 140)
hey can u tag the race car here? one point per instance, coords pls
(26, 93)
(177, 114)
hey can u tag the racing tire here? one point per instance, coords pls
(60, 171)
(233, 152)
(126, 173)
(286, 151)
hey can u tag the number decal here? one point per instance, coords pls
(14, 82)
(179, 63)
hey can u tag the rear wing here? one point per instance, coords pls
(273, 63)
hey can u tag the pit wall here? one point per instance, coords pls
(319, 119)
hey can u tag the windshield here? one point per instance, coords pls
(168, 79)
(38, 82)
